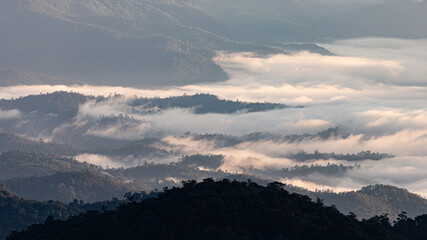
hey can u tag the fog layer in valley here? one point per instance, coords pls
(372, 90)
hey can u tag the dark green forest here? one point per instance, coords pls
(17, 213)
(63, 103)
(205, 103)
(226, 210)
(364, 155)
(50, 177)
(66, 104)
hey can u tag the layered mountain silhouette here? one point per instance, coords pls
(158, 43)
(17, 213)
(49, 177)
(225, 210)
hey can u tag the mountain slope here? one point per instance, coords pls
(17, 213)
(67, 186)
(143, 43)
(208, 210)
(44, 40)
(10, 142)
(376, 200)
(22, 164)
(226, 210)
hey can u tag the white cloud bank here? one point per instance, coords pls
(374, 88)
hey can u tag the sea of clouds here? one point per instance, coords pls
(372, 89)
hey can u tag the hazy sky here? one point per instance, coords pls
(360, 1)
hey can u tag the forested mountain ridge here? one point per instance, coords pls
(370, 200)
(360, 156)
(100, 42)
(60, 102)
(68, 103)
(50, 177)
(67, 118)
(354, 65)
(10, 142)
(23, 164)
(226, 140)
(376, 200)
(205, 103)
(225, 210)
(17, 213)
(205, 210)
(67, 186)
(124, 35)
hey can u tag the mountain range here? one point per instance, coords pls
(146, 43)
(225, 210)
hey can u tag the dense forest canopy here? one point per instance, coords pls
(66, 104)
(24, 164)
(226, 210)
(205, 103)
(17, 213)
(50, 177)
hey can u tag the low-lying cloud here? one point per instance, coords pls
(373, 89)
(9, 114)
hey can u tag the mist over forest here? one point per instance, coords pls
(105, 102)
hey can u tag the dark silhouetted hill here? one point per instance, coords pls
(375, 200)
(210, 161)
(206, 103)
(226, 210)
(208, 210)
(17, 213)
(61, 103)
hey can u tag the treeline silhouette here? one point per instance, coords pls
(66, 104)
(210, 161)
(225, 140)
(360, 156)
(205, 103)
(17, 213)
(225, 210)
(49, 177)
(301, 171)
(375, 200)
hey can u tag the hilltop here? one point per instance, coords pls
(225, 210)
